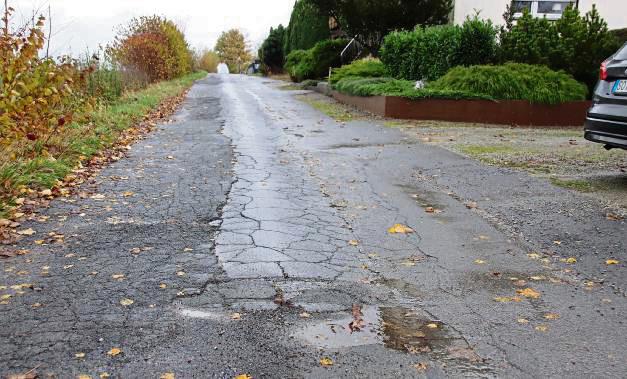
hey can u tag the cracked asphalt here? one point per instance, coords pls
(250, 236)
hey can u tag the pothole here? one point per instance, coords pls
(402, 329)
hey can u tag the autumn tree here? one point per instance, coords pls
(154, 46)
(208, 60)
(370, 21)
(233, 49)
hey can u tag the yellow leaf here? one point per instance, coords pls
(163, 286)
(26, 232)
(552, 316)
(503, 299)
(5, 297)
(612, 262)
(126, 302)
(113, 352)
(181, 273)
(326, 362)
(128, 194)
(529, 293)
(542, 328)
(167, 375)
(534, 255)
(104, 375)
(118, 276)
(244, 376)
(432, 326)
(523, 321)
(236, 316)
(79, 355)
(421, 366)
(479, 262)
(400, 229)
(570, 260)
(84, 376)
(353, 242)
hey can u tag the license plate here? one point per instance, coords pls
(620, 87)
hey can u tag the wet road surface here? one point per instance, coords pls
(250, 236)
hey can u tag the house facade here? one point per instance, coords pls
(613, 11)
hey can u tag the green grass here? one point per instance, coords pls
(333, 110)
(581, 185)
(84, 141)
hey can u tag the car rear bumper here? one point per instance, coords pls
(608, 132)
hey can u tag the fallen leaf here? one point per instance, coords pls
(614, 217)
(26, 232)
(557, 242)
(432, 326)
(522, 321)
(167, 375)
(612, 262)
(471, 205)
(79, 355)
(305, 315)
(128, 194)
(529, 293)
(542, 328)
(570, 260)
(98, 197)
(170, 157)
(421, 366)
(479, 262)
(126, 302)
(46, 192)
(68, 267)
(118, 276)
(181, 273)
(326, 362)
(430, 210)
(243, 376)
(504, 299)
(115, 351)
(353, 242)
(83, 376)
(464, 353)
(552, 316)
(236, 316)
(104, 375)
(163, 286)
(400, 229)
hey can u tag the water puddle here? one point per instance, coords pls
(398, 328)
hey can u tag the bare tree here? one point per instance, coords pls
(49, 32)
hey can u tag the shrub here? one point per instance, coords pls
(38, 96)
(364, 68)
(430, 52)
(514, 81)
(153, 45)
(315, 62)
(574, 43)
(478, 44)
(395, 87)
(208, 61)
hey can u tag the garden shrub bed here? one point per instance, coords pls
(506, 112)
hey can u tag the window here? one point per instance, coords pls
(552, 10)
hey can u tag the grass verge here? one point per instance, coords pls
(42, 167)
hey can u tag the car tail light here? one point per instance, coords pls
(603, 72)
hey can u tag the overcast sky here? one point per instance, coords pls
(81, 24)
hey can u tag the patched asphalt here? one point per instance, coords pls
(251, 235)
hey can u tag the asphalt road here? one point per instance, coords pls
(250, 236)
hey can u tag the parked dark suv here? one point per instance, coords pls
(607, 119)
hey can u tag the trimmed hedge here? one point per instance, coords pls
(513, 81)
(430, 52)
(363, 68)
(315, 62)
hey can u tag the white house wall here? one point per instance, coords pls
(613, 11)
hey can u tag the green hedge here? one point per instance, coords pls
(315, 62)
(575, 44)
(513, 81)
(398, 87)
(363, 68)
(307, 27)
(430, 52)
